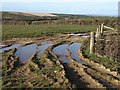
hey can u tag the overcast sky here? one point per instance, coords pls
(93, 7)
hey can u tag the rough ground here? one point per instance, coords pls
(49, 72)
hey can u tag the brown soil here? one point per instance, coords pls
(51, 73)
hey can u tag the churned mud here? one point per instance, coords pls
(53, 62)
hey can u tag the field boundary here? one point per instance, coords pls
(105, 42)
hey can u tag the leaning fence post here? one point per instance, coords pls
(92, 39)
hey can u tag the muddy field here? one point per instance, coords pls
(52, 62)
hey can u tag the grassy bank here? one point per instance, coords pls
(16, 31)
(111, 64)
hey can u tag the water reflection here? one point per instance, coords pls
(41, 49)
(64, 59)
(10, 47)
(62, 53)
(74, 51)
(76, 34)
(25, 53)
(61, 49)
(81, 35)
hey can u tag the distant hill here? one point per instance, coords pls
(46, 16)
(27, 16)
(31, 14)
(39, 14)
(72, 16)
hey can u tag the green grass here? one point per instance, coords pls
(17, 31)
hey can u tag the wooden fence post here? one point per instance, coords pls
(101, 29)
(92, 39)
(97, 33)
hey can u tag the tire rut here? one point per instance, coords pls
(99, 67)
(74, 78)
(102, 81)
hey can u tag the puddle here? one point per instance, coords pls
(61, 49)
(10, 47)
(62, 53)
(85, 36)
(42, 48)
(64, 59)
(25, 53)
(45, 42)
(76, 34)
(81, 35)
(74, 51)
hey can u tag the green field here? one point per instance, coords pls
(17, 31)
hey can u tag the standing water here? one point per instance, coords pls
(81, 35)
(61, 49)
(62, 53)
(64, 59)
(41, 49)
(10, 47)
(25, 53)
(74, 51)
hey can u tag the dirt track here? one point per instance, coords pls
(50, 72)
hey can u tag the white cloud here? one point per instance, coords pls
(60, 0)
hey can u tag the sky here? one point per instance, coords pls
(84, 7)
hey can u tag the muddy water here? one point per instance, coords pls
(10, 47)
(76, 34)
(61, 49)
(74, 51)
(42, 48)
(62, 53)
(85, 36)
(64, 59)
(81, 35)
(25, 53)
